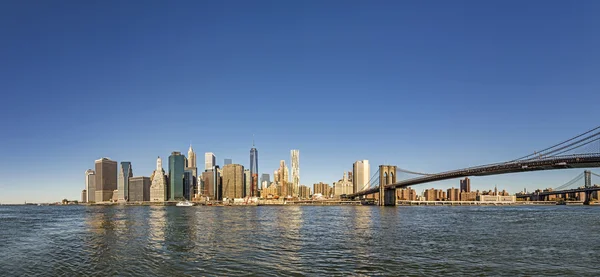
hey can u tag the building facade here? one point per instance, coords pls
(281, 178)
(90, 185)
(176, 176)
(158, 187)
(295, 157)
(247, 183)
(210, 161)
(105, 179)
(323, 189)
(125, 172)
(465, 185)
(264, 178)
(453, 194)
(233, 181)
(84, 196)
(343, 186)
(361, 173)
(406, 194)
(139, 189)
(304, 192)
(253, 190)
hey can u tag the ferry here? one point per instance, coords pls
(184, 204)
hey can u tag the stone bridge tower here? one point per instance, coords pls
(387, 176)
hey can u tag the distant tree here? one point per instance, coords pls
(65, 201)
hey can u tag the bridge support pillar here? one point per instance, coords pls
(387, 176)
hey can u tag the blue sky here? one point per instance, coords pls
(425, 85)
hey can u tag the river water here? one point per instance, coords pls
(299, 241)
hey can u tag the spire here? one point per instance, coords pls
(252, 140)
(190, 150)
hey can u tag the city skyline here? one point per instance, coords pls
(425, 87)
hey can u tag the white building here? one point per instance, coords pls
(343, 186)
(361, 171)
(158, 188)
(496, 198)
(90, 185)
(209, 160)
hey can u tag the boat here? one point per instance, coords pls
(184, 204)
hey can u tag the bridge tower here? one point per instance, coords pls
(588, 178)
(387, 176)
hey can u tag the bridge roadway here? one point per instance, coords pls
(557, 162)
(557, 192)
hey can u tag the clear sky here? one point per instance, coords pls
(424, 85)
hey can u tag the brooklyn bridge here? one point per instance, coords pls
(581, 151)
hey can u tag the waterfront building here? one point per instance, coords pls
(407, 194)
(270, 191)
(211, 184)
(233, 181)
(453, 194)
(468, 196)
(158, 187)
(227, 161)
(361, 174)
(84, 196)
(188, 184)
(247, 183)
(90, 185)
(282, 177)
(465, 185)
(105, 179)
(264, 178)
(304, 192)
(323, 189)
(343, 186)
(139, 189)
(125, 172)
(209, 161)
(176, 176)
(253, 171)
(434, 195)
(295, 157)
(191, 165)
(496, 198)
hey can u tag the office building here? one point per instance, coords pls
(188, 184)
(192, 181)
(233, 181)
(264, 178)
(247, 183)
(343, 186)
(295, 157)
(227, 161)
(125, 172)
(465, 185)
(176, 176)
(106, 179)
(139, 189)
(84, 196)
(323, 189)
(209, 161)
(211, 184)
(90, 186)
(158, 187)
(361, 173)
(253, 170)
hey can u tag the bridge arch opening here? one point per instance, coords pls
(385, 178)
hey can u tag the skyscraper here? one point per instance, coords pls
(253, 189)
(264, 178)
(158, 189)
(176, 175)
(281, 178)
(360, 177)
(90, 185)
(295, 172)
(465, 185)
(247, 183)
(139, 189)
(209, 160)
(188, 184)
(233, 181)
(193, 179)
(125, 172)
(106, 179)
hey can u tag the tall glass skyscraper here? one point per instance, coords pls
(295, 172)
(176, 176)
(125, 172)
(254, 170)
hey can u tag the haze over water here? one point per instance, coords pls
(299, 240)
